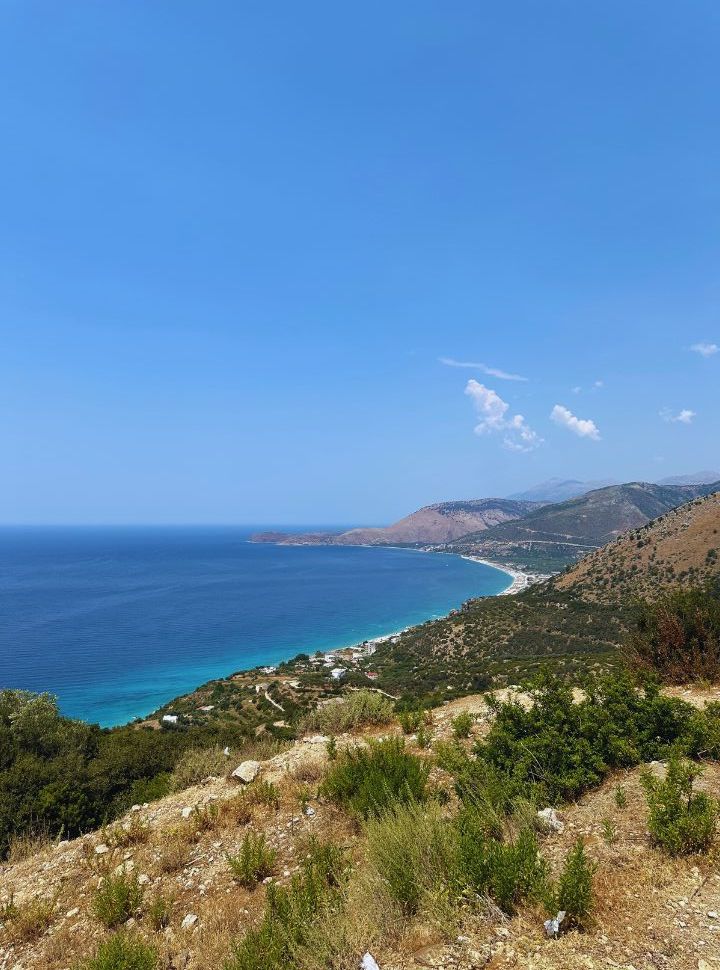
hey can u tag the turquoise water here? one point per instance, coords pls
(116, 622)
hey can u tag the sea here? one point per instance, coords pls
(117, 621)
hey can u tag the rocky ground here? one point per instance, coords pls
(652, 911)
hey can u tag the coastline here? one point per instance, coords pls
(520, 580)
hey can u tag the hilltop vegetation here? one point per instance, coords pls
(553, 536)
(682, 546)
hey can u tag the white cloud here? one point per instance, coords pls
(705, 349)
(599, 384)
(583, 427)
(682, 417)
(493, 416)
(483, 368)
(576, 389)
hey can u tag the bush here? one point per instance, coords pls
(557, 749)
(462, 724)
(118, 898)
(573, 892)
(412, 855)
(123, 952)
(369, 780)
(358, 709)
(195, 765)
(678, 637)
(507, 872)
(410, 721)
(681, 820)
(254, 862)
(159, 912)
(266, 793)
(290, 912)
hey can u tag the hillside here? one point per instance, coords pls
(442, 522)
(166, 882)
(552, 536)
(679, 547)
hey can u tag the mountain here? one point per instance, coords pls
(552, 536)
(697, 478)
(433, 524)
(683, 545)
(561, 489)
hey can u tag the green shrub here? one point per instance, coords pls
(123, 952)
(369, 780)
(507, 872)
(620, 797)
(118, 898)
(412, 854)
(678, 636)
(290, 913)
(159, 912)
(609, 830)
(195, 765)
(573, 892)
(681, 820)
(254, 862)
(357, 709)
(462, 724)
(266, 793)
(410, 721)
(557, 749)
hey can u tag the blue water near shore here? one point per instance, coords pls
(117, 621)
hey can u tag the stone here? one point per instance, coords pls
(550, 818)
(101, 849)
(369, 962)
(189, 921)
(186, 812)
(247, 771)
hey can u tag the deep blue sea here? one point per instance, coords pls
(117, 621)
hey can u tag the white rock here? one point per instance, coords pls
(317, 739)
(712, 914)
(550, 818)
(144, 879)
(247, 771)
(369, 962)
(190, 920)
(101, 849)
(72, 912)
(186, 812)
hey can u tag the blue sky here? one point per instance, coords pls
(238, 239)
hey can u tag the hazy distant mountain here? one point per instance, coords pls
(562, 489)
(697, 478)
(434, 523)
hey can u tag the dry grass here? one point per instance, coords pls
(26, 845)
(126, 834)
(28, 921)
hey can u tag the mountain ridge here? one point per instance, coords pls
(557, 534)
(440, 522)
